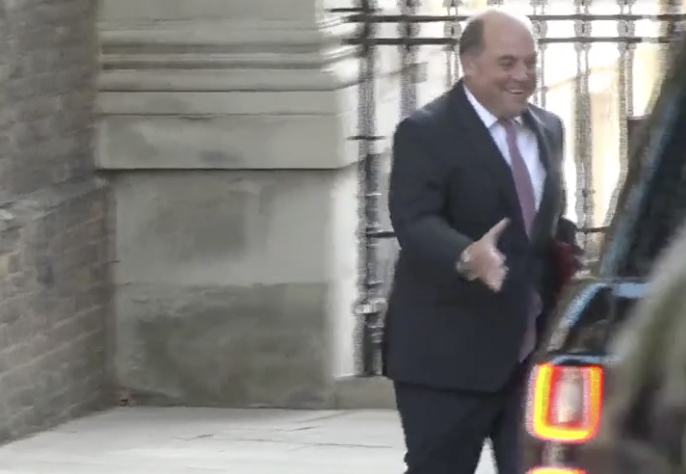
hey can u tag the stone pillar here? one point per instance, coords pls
(224, 131)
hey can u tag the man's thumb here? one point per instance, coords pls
(496, 231)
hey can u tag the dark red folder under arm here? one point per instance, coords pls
(566, 264)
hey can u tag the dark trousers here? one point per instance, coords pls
(445, 430)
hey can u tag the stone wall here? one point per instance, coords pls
(53, 217)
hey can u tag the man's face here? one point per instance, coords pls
(503, 75)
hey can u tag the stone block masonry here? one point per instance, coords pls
(54, 230)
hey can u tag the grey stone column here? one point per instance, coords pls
(224, 130)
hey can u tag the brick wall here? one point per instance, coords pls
(53, 217)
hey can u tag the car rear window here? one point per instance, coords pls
(659, 200)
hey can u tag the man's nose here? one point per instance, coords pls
(521, 73)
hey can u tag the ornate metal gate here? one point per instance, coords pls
(613, 47)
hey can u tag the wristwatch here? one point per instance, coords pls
(463, 263)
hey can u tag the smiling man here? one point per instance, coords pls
(476, 199)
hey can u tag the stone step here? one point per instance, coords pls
(353, 393)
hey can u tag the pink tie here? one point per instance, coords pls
(527, 202)
(520, 173)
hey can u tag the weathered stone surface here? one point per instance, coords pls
(229, 346)
(225, 142)
(235, 288)
(53, 218)
(53, 307)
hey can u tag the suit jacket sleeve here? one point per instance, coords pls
(417, 202)
(566, 229)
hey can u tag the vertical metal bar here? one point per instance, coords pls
(367, 137)
(583, 117)
(626, 29)
(381, 255)
(671, 28)
(453, 29)
(408, 58)
(541, 31)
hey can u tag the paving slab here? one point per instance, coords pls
(141, 440)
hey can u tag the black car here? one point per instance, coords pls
(567, 386)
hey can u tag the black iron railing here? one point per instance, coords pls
(371, 18)
(372, 307)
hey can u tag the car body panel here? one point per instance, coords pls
(650, 208)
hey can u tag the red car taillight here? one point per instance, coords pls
(556, 470)
(566, 403)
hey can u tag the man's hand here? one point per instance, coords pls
(483, 259)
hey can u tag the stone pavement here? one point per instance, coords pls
(205, 441)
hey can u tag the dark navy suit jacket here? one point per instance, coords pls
(449, 185)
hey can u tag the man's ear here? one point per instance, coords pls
(467, 62)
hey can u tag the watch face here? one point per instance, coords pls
(462, 263)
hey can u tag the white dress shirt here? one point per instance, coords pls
(526, 140)
(528, 147)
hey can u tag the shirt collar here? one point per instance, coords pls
(486, 117)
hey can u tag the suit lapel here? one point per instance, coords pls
(546, 209)
(485, 149)
(491, 159)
